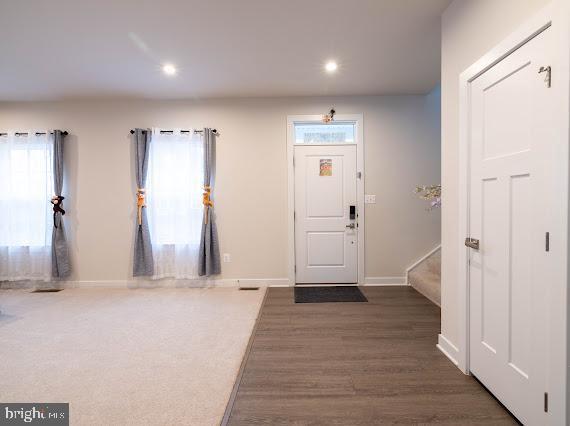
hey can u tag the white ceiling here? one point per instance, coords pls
(223, 48)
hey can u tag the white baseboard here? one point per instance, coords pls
(95, 284)
(197, 283)
(262, 282)
(448, 349)
(148, 283)
(382, 281)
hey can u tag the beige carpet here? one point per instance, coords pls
(126, 357)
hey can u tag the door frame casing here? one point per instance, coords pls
(359, 134)
(555, 18)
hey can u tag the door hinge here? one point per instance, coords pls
(547, 242)
(548, 71)
(294, 215)
(546, 402)
(293, 161)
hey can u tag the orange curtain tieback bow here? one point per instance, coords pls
(140, 203)
(206, 201)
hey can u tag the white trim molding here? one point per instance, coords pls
(262, 282)
(447, 348)
(181, 283)
(384, 281)
(149, 283)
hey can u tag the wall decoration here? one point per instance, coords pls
(327, 118)
(325, 167)
(431, 193)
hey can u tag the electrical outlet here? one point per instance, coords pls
(227, 257)
(370, 199)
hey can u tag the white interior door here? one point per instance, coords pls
(326, 237)
(510, 197)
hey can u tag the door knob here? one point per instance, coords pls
(351, 225)
(472, 243)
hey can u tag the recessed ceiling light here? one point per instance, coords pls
(331, 66)
(169, 69)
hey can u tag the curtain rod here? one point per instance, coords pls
(36, 133)
(181, 131)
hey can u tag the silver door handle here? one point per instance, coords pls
(351, 226)
(472, 243)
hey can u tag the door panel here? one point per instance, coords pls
(509, 200)
(506, 103)
(326, 251)
(520, 280)
(324, 194)
(325, 248)
(491, 231)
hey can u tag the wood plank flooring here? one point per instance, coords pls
(355, 364)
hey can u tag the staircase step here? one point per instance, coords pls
(426, 277)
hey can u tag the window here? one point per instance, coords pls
(329, 133)
(174, 202)
(26, 188)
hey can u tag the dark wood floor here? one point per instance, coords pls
(355, 364)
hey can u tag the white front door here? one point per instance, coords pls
(510, 197)
(326, 225)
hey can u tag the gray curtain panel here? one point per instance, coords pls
(143, 265)
(60, 266)
(209, 256)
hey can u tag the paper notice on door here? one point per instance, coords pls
(326, 167)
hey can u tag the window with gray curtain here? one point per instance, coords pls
(209, 262)
(32, 235)
(176, 233)
(26, 188)
(143, 265)
(60, 266)
(174, 199)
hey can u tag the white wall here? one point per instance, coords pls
(469, 29)
(402, 149)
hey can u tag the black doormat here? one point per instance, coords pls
(329, 294)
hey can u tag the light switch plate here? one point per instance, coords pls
(227, 257)
(370, 199)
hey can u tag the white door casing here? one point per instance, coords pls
(326, 238)
(510, 193)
